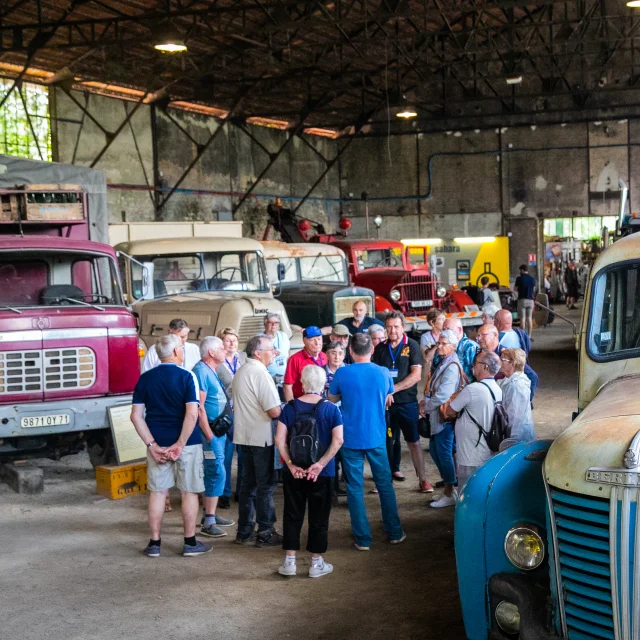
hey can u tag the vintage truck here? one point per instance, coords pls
(312, 281)
(68, 343)
(399, 283)
(211, 282)
(547, 534)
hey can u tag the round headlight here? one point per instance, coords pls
(508, 617)
(394, 294)
(524, 548)
(441, 291)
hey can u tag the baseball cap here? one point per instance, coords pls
(340, 330)
(311, 332)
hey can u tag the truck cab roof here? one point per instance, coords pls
(21, 243)
(187, 246)
(276, 249)
(370, 243)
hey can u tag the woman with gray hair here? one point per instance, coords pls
(308, 487)
(516, 396)
(447, 379)
(281, 345)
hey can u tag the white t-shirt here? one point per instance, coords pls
(510, 340)
(474, 399)
(191, 357)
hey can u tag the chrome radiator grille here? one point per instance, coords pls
(582, 530)
(249, 327)
(37, 370)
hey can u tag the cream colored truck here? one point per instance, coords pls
(211, 283)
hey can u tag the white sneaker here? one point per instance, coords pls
(319, 570)
(445, 501)
(287, 569)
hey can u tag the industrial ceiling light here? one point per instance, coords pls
(168, 39)
(407, 113)
(633, 3)
(514, 79)
(476, 240)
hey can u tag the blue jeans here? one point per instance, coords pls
(228, 460)
(353, 465)
(256, 491)
(214, 466)
(441, 449)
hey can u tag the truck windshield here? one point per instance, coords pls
(376, 258)
(174, 274)
(54, 278)
(323, 269)
(614, 327)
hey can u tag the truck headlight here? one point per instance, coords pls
(524, 547)
(441, 291)
(508, 617)
(394, 294)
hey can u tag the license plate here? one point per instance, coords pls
(417, 304)
(45, 421)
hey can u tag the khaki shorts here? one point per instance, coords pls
(186, 473)
(525, 308)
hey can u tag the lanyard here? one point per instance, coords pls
(235, 364)
(394, 354)
(218, 379)
(318, 361)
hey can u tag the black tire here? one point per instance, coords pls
(100, 447)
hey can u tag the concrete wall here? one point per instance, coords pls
(227, 167)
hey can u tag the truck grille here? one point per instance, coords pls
(250, 326)
(418, 293)
(46, 370)
(582, 529)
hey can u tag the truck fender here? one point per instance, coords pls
(505, 491)
(383, 305)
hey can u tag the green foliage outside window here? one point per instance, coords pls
(25, 133)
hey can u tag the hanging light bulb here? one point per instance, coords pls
(167, 39)
(407, 112)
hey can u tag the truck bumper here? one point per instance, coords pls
(532, 599)
(83, 413)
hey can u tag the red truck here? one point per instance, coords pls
(401, 279)
(68, 343)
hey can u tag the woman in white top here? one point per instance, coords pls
(281, 347)
(516, 396)
(429, 339)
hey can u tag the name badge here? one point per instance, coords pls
(279, 362)
(394, 373)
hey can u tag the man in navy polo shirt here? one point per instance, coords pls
(311, 354)
(360, 322)
(401, 356)
(165, 415)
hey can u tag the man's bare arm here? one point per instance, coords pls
(413, 378)
(288, 393)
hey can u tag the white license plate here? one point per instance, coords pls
(417, 304)
(45, 421)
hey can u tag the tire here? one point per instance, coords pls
(100, 448)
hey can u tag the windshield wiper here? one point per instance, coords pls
(4, 306)
(82, 302)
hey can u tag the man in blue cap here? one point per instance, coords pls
(311, 354)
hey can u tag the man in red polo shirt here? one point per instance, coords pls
(311, 354)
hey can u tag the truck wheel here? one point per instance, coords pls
(100, 448)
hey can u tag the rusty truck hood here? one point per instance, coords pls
(598, 439)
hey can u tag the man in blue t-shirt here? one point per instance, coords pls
(165, 415)
(365, 391)
(360, 322)
(213, 401)
(526, 289)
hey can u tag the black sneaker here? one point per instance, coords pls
(250, 540)
(224, 503)
(274, 539)
(341, 491)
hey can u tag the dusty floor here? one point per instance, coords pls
(71, 567)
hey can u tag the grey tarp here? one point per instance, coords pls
(19, 171)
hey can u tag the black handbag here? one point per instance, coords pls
(224, 422)
(424, 427)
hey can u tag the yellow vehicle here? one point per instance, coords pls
(211, 283)
(548, 533)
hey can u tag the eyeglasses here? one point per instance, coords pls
(480, 362)
(272, 349)
(506, 360)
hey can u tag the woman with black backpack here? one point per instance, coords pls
(308, 437)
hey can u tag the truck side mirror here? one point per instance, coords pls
(282, 272)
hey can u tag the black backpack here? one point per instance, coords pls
(500, 428)
(305, 447)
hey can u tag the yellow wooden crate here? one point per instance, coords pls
(120, 481)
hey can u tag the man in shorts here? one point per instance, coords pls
(526, 289)
(165, 415)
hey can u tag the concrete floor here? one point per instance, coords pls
(71, 567)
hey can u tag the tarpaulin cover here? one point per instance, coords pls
(20, 171)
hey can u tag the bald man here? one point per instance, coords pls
(511, 338)
(466, 350)
(360, 322)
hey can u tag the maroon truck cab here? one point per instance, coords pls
(68, 344)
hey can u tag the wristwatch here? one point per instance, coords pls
(150, 443)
